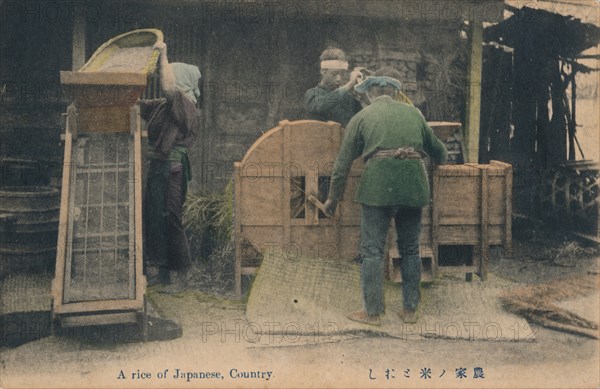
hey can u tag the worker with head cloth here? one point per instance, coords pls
(172, 124)
(332, 99)
(392, 137)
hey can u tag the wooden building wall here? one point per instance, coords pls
(35, 43)
(256, 66)
(256, 70)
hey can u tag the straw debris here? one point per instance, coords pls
(208, 219)
(537, 303)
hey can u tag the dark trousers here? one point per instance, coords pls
(165, 241)
(374, 226)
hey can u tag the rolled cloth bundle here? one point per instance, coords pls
(186, 79)
(382, 81)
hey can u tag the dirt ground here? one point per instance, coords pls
(216, 340)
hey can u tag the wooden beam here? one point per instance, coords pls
(99, 305)
(424, 11)
(78, 56)
(458, 269)
(249, 270)
(588, 56)
(473, 107)
(100, 319)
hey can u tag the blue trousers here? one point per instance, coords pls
(374, 226)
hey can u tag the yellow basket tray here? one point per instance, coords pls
(126, 59)
(117, 73)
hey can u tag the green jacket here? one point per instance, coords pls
(386, 125)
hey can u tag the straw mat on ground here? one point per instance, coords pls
(309, 296)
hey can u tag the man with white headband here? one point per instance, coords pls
(392, 137)
(332, 98)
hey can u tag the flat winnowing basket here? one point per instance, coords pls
(116, 74)
(130, 52)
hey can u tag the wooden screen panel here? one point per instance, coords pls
(101, 227)
(315, 147)
(258, 205)
(497, 196)
(262, 238)
(458, 234)
(104, 119)
(349, 210)
(266, 149)
(459, 192)
(315, 242)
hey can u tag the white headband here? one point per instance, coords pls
(334, 64)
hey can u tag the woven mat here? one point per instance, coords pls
(25, 293)
(311, 296)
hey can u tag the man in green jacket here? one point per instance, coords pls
(392, 137)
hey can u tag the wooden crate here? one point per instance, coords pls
(472, 205)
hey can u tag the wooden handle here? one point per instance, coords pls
(319, 205)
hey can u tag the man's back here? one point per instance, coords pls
(387, 125)
(390, 124)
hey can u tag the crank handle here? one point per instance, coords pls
(319, 205)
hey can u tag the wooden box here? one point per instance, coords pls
(472, 206)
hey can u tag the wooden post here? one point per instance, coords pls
(508, 201)
(78, 55)
(287, 185)
(485, 220)
(337, 143)
(557, 136)
(473, 108)
(237, 179)
(139, 290)
(435, 220)
(573, 122)
(61, 245)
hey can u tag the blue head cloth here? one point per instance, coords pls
(374, 81)
(186, 79)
